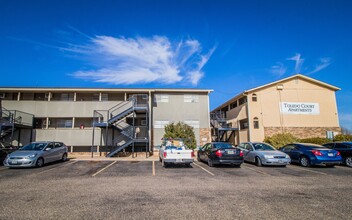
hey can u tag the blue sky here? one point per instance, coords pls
(177, 44)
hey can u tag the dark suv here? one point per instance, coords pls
(345, 149)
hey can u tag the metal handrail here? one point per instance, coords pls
(17, 117)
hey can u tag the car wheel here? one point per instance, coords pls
(40, 162)
(64, 157)
(210, 163)
(159, 159)
(348, 161)
(163, 163)
(304, 161)
(258, 162)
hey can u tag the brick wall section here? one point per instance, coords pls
(301, 132)
(204, 136)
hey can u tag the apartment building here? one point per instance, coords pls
(298, 104)
(101, 120)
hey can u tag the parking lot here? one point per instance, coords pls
(145, 190)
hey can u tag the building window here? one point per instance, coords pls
(39, 123)
(256, 123)
(242, 100)
(191, 98)
(254, 97)
(244, 124)
(83, 122)
(62, 97)
(161, 98)
(160, 124)
(233, 105)
(60, 122)
(104, 97)
(192, 123)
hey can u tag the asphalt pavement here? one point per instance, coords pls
(143, 189)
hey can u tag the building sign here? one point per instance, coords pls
(300, 108)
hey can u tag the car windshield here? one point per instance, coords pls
(34, 146)
(223, 145)
(262, 147)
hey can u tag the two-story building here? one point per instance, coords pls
(299, 105)
(101, 120)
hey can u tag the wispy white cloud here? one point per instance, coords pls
(278, 70)
(299, 61)
(324, 62)
(122, 60)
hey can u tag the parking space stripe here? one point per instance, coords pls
(104, 168)
(153, 168)
(4, 168)
(258, 171)
(204, 169)
(307, 169)
(343, 168)
(44, 171)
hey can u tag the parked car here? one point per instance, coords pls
(37, 154)
(345, 149)
(220, 153)
(175, 152)
(312, 154)
(263, 154)
(5, 149)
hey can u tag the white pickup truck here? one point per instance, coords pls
(175, 152)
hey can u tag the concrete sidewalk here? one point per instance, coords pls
(139, 157)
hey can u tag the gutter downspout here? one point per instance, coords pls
(248, 116)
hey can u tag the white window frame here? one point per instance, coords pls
(160, 123)
(193, 123)
(191, 98)
(161, 98)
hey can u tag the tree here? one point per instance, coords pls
(183, 131)
(345, 131)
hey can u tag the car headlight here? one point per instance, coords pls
(287, 156)
(268, 156)
(31, 156)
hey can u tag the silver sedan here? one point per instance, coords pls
(37, 154)
(263, 154)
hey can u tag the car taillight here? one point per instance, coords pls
(317, 153)
(165, 154)
(193, 153)
(338, 153)
(241, 153)
(218, 153)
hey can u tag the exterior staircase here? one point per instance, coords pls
(220, 127)
(115, 121)
(12, 120)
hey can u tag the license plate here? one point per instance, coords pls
(230, 152)
(330, 154)
(14, 162)
(280, 161)
(178, 160)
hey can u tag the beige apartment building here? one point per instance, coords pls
(298, 104)
(101, 120)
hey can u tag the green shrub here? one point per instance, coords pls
(280, 139)
(343, 137)
(181, 130)
(315, 140)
